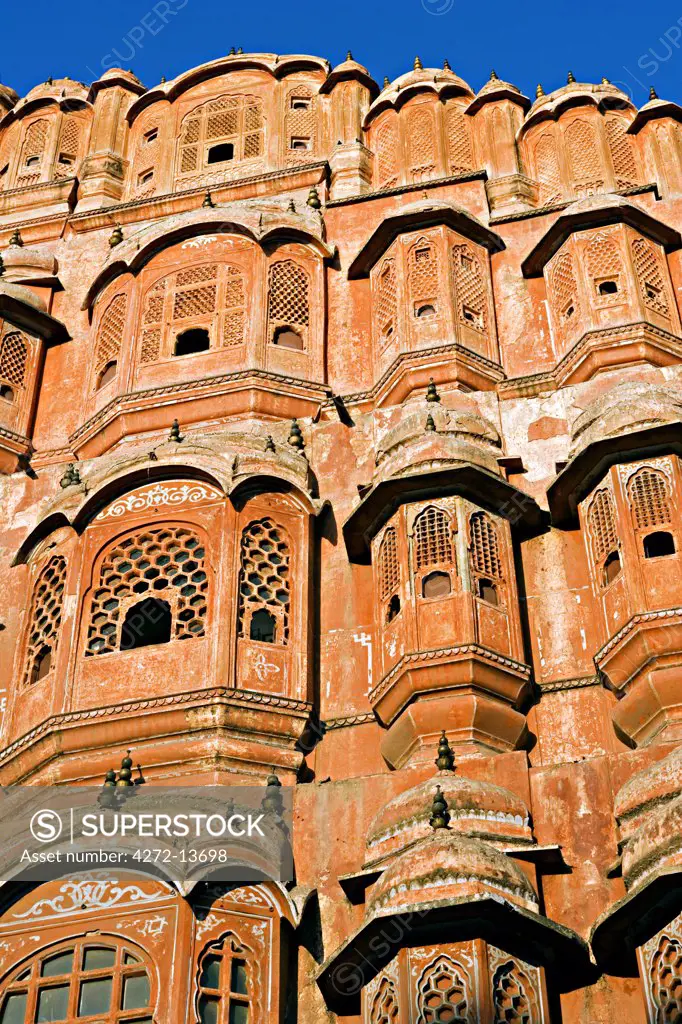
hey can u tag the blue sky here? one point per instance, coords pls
(636, 45)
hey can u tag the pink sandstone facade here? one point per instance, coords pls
(374, 395)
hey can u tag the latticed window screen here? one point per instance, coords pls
(458, 131)
(264, 576)
(604, 260)
(389, 565)
(601, 521)
(300, 123)
(564, 289)
(432, 538)
(288, 297)
(547, 169)
(45, 616)
(387, 301)
(513, 999)
(8, 146)
(385, 1007)
(665, 980)
(110, 334)
(622, 153)
(584, 162)
(442, 995)
(423, 272)
(165, 562)
(649, 495)
(147, 155)
(387, 156)
(33, 153)
(650, 276)
(69, 145)
(13, 358)
(485, 546)
(235, 120)
(210, 295)
(471, 288)
(421, 143)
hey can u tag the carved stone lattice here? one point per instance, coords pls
(485, 546)
(300, 123)
(471, 289)
(604, 261)
(423, 273)
(547, 169)
(111, 329)
(432, 543)
(288, 296)
(665, 979)
(511, 996)
(564, 290)
(421, 144)
(167, 563)
(458, 130)
(35, 141)
(13, 358)
(622, 155)
(584, 163)
(442, 994)
(389, 566)
(385, 1008)
(264, 579)
(236, 121)
(45, 616)
(601, 519)
(649, 498)
(387, 301)
(387, 155)
(650, 276)
(69, 145)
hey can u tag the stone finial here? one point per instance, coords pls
(605, 81)
(440, 817)
(418, 66)
(539, 91)
(430, 425)
(493, 76)
(313, 199)
(270, 444)
(240, 49)
(386, 82)
(16, 239)
(116, 236)
(71, 476)
(232, 51)
(445, 762)
(295, 437)
(163, 79)
(292, 206)
(272, 801)
(126, 772)
(175, 434)
(110, 779)
(349, 56)
(432, 392)
(208, 200)
(653, 95)
(446, 65)
(570, 79)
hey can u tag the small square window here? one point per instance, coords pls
(300, 102)
(32, 161)
(151, 136)
(144, 177)
(65, 160)
(472, 316)
(300, 144)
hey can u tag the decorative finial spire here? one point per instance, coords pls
(295, 437)
(386, 82)
(349, 56)
(653, 95)
(116, 236)
(232, 51)
(110, 778)
(71, 476)
(493, 76)
(539, 92)
(175, 434)
(208, 200)
(432, 392)
(240, 49)
(313, 199)
(163, 79)
(16, 239)
(292, 206)
(446, 65)
(605, 81)
(440, 818)
(125, 773)
(270, 444)
(272, 801)
(418, 66)
(570, 79)
(430, 426)
(445, 762)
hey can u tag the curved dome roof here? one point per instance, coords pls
(550, 105)
(495, 88)
(652, 785)
(57, 88)
(628, 407)
(420, 79)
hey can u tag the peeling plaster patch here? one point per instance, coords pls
(583, 638)
(366, 641)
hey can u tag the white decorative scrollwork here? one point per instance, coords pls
(91, 893)
(196, 243)
(160, 494)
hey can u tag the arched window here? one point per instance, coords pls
(442, 994)
(458, 129)
(564, 291)
(649, 494)
(471, 288)
(622, 152)
(227, 125)
(385, 1007)
(13, 358)
(33, 153)
(227, 984)
(389, 565)
(110, 338)
(166, 563)
(422, 274)
(421, 143)
(436, 584)
(601, 524)
(45, 618)
(665, 979)
(68, 148)
(605, 268)
(584, 162)
(104, 979)
(386, 148)
(514, 1001)
(486, 561)
(264, 583)
(386, 302)
(547, 169)
(649, 272)
(288, 298)
(432, 540)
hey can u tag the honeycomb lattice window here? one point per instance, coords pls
(69, 145)
(165, 562)
(582, 151)
(458, 130)
(442, 995)
(422, 262)
(649, 495)
(45, 618)
(564, 290)
(13, 358)
(33, 153)
(485, 546)
(650, 276)
(604, 261)
(547, 170)
(385, 1008)
(8, 147)
(387, 156)
(209, 295)
(470, 285)
(421, 144)
(147, 156)
(236, 121)
(264, 577)
(300, 122)
(432, 538)
(601, 521)
(110, 333)
(389, 565)
(622, 153)
(513, 1000)
(665, 978)
(387, 301)
(288, 297)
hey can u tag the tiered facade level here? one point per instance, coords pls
(423, 350)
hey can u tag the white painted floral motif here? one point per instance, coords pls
(160, 494)
(196, 243)
(90, 893)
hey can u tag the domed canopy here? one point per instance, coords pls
(495, 89)
(8, 97)
(350, 70)
(420, 79)
(117, 76)
(548, 106)
(653, 110)
(656, 784)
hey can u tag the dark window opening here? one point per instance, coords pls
(659, 544)
(569, 311)
(151, 136)
(145, 176)
(607, 288)
(65, 159)
(147, 623)
(220, 153)
(466, 262)
(107, 374)
(393, 608)
(300, 103)
(472, 316)
(426, 311)
(238, 978)
(6, 392)
(487, 591)
(4, 170)
(196, 339)
(32, 161)
(286, 338)
(299, 144)
(612, 567)
(263, 626)
(436, 584)
(42, 665)
(388, 330)
(651, 291)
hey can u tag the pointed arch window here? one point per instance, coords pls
(13, 358)
(45, 619)
(264, 583)
(651, 507)
(486, 559)
(387, 153)
(442, 994)
(513, 997)
(432, 538)
(605, 269)
(601, 524)
(387, 302)
(421, 143)
(650, 276)
(385, 1007)
(422, 263)
(622, 152)
(458, 130)
(564, 291)
(288, 299)
(547, 169)
(585, 166)
(389, 564)
(471, 288)
(227, 984)
(110, 339)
